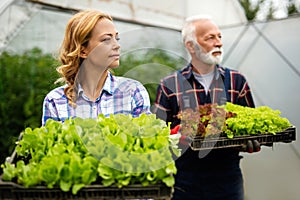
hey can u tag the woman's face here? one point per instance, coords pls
(103, 49)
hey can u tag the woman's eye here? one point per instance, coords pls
(106, 39)
(109, 39)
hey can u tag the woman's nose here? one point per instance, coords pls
(116, 44)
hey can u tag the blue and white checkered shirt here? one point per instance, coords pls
(119, 95)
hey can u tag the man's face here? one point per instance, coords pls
(208, 44)
(215, 56)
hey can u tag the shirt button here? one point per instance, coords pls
(94, 107)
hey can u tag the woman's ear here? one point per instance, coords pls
(83, 52)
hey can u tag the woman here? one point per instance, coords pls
(89, 50)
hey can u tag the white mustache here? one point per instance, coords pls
(217, 49)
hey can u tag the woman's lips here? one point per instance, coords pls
(115, 56)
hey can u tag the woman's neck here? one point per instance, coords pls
(92, 81)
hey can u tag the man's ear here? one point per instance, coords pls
(190, 46)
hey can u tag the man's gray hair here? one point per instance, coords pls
(188, 30)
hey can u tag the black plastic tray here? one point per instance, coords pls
(200, 143)
(10, 190)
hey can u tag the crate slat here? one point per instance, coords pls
(12, 191)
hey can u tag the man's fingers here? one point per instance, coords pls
(249, 146)
(256, 146)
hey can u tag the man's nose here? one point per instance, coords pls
(218, 42)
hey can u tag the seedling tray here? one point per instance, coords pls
(200, 143)
(13, 191)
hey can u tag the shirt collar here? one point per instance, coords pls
(109, 84)
(219, 71)
(80, 90)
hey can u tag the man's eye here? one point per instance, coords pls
(117, 38)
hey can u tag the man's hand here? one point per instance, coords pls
(251, 146)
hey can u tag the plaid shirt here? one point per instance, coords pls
(169, 99)
(119, 95)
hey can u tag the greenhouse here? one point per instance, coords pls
(264, 51)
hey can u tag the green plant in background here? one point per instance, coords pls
(24, 81)
(149, 66)
(253, 8)
(250, 10)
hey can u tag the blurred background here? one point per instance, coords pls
(260, 38)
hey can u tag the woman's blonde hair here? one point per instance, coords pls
(77, 35)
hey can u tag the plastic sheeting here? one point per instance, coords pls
(168, 14)
(266, 53)
(13, 17)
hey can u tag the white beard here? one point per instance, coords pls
(208, 58)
